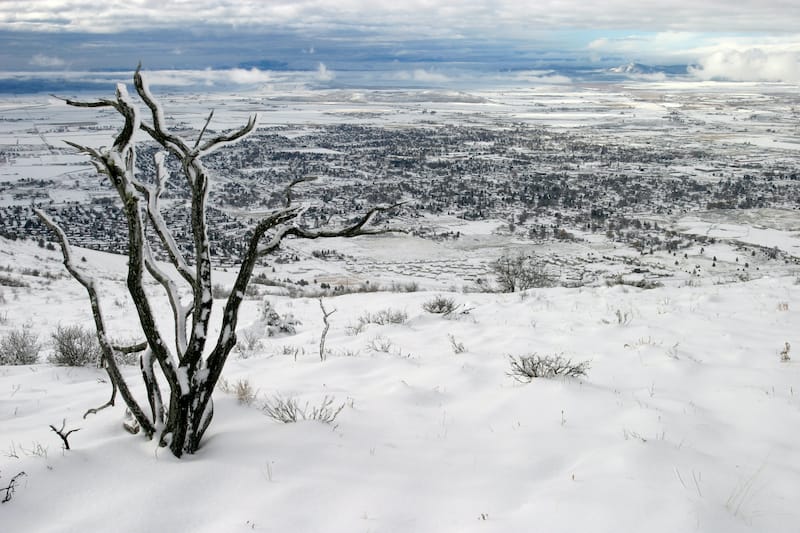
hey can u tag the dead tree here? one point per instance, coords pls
(325, 315)
(191, 367)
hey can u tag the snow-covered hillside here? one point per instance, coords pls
(687, 419)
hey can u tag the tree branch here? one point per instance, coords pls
(158, 131)
(227, 138)
(135, 348)
(203, 131)
(297, 181)
(108, 352)
(109, 403)
(64, 436)
(349, 231)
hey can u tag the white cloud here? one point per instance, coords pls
(427, 76)
(500, 18)
(420, 75)
(754, 64)
(541, 77)
(243, 76)
(323, 74)
(41, 60)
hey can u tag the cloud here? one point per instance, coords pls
(427, 76)
(541, 77)
(41, 60)
(323, 74)
(498, 18)
(420, 75)
(754, 64)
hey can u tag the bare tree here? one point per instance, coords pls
(518, 272)
(192, 367)
(325, 315)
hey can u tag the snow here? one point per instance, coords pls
(687, 419)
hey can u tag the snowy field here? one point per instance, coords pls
(686, 420)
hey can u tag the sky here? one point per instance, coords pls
(412, 42)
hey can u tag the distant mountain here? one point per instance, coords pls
(635, 68)
(264, 64)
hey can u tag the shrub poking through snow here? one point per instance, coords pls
(458, 347)
(288, 411)
(785, 352)
(276, 324)
(74, 346)
(381, 318)
(19, 347)
(248, 343)
(245, 393)
(242, 389)
(384, 317)
(380, 344)
(525, 368)
(440, 305)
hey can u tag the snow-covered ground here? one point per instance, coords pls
(687, 419)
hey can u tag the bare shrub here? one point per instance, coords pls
(294, 351)
(247, 343)
(380, 344)
(288, 411)
(458, 347)
(525, 368)
(219, 291)
(785, 352)
(640, 283)
(74, 346)
(19, 347)
(245, 393)
(519, 272)
(381, 318)
(242, 389)
(440, 305)
(410, 286)
(11, 281)
(385, 316)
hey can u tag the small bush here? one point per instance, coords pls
(380, 344)
(245, 394)
(381, 318)
(242, 389)
(458, 347)
(641, 283)
(440, 305)
(11, 281)
(525, 368)
(19, 347)
(74, 346)
(219, 291)
(288, 411)
(248, 343)
(276, 324)
(785, 352)
(518, 272)
(410, 286)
